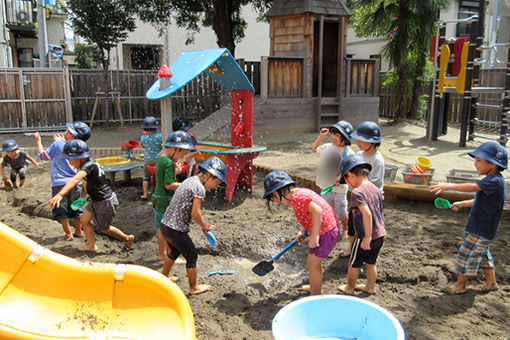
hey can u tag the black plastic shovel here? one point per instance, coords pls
(265, 266)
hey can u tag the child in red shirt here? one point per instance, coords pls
(315, 215)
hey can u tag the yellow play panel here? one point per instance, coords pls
(44, 295)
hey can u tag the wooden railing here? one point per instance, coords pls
(362, 77)
(281, 77)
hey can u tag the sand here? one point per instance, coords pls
(415, 265)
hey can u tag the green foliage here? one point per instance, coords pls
(87, 56)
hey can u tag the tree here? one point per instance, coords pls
(407, 25)
(103, 24)
(223, 16)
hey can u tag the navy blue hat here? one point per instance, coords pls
(75, 149)
(215, 167)
(150, 123)
(9, 145)
(181, 123)
(349, 163)
(180, 140)
(368, 132)
(345, 128)
(276, 180)
(492, 152)
(79, 130)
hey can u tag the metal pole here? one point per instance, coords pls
(493, 34)
(41, 31)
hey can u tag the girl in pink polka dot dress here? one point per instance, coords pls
(314, 214)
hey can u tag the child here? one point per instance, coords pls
(103, 204)
(177, 145)
(61, 172)
(151, 141)
(187, 168)
(368, 139)
(315, 215)
(185, 205)
(331, 155)
(366, 218)
(17, 160)
(483, 220)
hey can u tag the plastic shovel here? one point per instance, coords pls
(211, 238)
(78, 203)
(265, 266)
(442, 203)
(328, 189)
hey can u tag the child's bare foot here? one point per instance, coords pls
(346, 289)
(88, 248)
(66, 238)
(78, 234)
(488, 287)
(161, 257)
(306, 288)
(14, 185)
(454, 290)
(144, 197)
(129, 243)
(363, 288)
(199, 289)
(173, 278)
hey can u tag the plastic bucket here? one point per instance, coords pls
(335, 317)
(421, 166)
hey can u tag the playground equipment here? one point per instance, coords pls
(465, 80)
(222, 68)
(317, 317)
(44, 295)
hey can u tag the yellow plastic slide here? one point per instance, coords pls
(44, 295)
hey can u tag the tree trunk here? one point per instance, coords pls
(106, 91)
(417, 85)
(223, 26)
(402, 92)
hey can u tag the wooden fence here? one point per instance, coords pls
(282, 77)
(362, 77)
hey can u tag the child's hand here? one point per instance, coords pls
(324, 132)
(207, 227)
(57, 137)
(55, 201)
(37, 136)
(365, 244)
(38, 164)
(438, 188)
(455, 206)
(313, 242)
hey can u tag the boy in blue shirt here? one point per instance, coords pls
(151, 141)
(61, 172)
(483, 220)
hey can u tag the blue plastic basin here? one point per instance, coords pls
(335, 317)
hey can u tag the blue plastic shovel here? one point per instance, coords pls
(265, 266)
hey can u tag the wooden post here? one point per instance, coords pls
(94, 110)
(264, 77)
(319, 81)
(348, 78)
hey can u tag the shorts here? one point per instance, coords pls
(350, 225)
(473, 254)
(326, 244)
(20, 171)
(103, 212)
(146, 173)
(339, 204)
(64, 210)
(158, 217)
(180, 243)
(360, 256)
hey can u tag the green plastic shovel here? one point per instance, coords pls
(441, 203)
(328, 189)
(78, 203)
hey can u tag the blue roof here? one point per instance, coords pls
(191, 64)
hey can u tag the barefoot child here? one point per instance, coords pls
(177, 145)
(368, 140)
(366, 218)
(17, 160)
(490, 159)
(61, 172)
(315, 215)
(331, 155)
(151, 141)
(103, 204)
(186, 204)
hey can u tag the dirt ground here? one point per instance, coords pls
(415, 264)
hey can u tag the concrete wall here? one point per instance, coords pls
(359, 109)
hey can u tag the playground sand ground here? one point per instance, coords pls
(415, 264)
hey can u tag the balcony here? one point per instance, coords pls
(21, 17)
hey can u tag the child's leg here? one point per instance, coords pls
(352, 277)
(371, 271)
(194, 287)
(490, 280)
(345, 227)
(89, 232)
(22, 172)
(78, 230)
(162, 246)
(14, 176)
(347, 251)
(167, 266)
(119, 235)
(67, 229)
(315, 269)
(145, 187)
(460, 286)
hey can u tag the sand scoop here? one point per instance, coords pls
(265, 266)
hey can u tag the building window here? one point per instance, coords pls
(144, 58)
